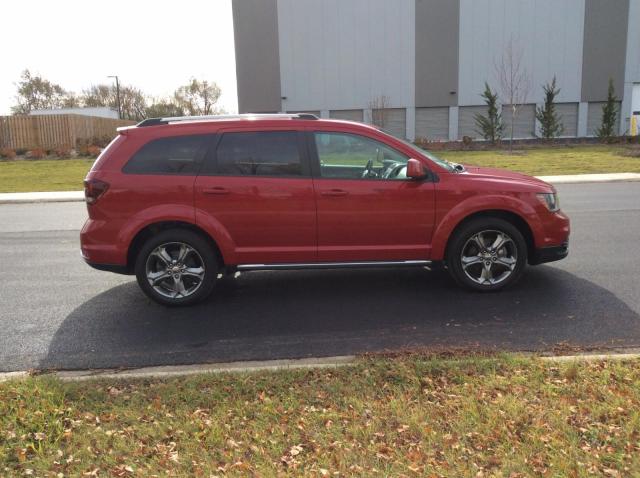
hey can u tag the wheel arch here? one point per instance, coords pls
(150, 229)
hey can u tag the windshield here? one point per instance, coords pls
(440, 162)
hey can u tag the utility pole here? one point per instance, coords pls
(117, 95)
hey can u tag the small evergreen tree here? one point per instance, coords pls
(490, 127)
(550, 124)
(607, 128)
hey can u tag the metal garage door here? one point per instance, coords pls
(349, 115)
(467, 121)
(594, 118)
(568, 114)
(432, 123)
(395, 121)
(524, 124)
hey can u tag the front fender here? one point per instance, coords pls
(474, 205)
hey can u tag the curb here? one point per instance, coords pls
(590, 178)
(174, 371)
(78, 196)
(169, 371)
(37, 197)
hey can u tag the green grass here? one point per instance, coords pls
(551, 161)
(43, 175)
(67, 175)
(410, 416)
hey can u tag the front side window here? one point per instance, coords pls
(264, 153)
(180, 155)
(350, 156)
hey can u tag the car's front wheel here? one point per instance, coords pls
(176, 267)
(487, 254)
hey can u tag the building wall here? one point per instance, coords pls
(100, 112)
(337, 54)
(436, 45)
(431, 58)
(605, 43)
(548, 33)
(255, 30)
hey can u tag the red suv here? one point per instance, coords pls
(179, 201)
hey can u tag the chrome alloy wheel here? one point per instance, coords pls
(489, 257)
(175, 270)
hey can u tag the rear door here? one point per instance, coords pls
(256, 185)
(367, 208)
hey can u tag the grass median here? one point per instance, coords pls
(67, 174)
(410, 416)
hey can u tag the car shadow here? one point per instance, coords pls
(273, 315)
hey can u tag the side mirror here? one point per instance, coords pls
(415, 169)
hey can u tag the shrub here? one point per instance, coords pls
(467, 140)
(431, 145)
(21, 151)
(550, 123)
(94, 151)
(7, 153)
(607, 132)
(491, 126)
(62, 152)
(37, 153)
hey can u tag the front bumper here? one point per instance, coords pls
(549, 254)
(117, 268)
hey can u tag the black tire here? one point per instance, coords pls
(465, 238)
(173, 239)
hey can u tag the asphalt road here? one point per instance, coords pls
(56, 312)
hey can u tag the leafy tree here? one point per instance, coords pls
(491, 126)
(133, 102)
(198, 98)
(550, 124)
(163, 108)
(607, 128)
(36, 92)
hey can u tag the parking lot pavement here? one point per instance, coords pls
(56, 312)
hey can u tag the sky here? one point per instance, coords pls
(156, 45)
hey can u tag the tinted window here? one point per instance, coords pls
(171, 155)
(350, 156)
(267, 153)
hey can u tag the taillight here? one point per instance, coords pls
(93, 189)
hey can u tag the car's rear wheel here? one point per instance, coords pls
(176, 267)
(487, 254)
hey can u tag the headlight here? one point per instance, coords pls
(550, 200)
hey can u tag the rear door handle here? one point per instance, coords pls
(215, 190)
(334, 192)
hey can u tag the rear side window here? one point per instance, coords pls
(180, 155)
(265, 153)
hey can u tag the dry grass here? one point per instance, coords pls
(408, 416)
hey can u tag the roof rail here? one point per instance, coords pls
(179, 119)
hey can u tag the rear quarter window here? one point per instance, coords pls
(174, 155)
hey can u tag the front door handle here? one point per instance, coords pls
(334, 192)
(215, 190)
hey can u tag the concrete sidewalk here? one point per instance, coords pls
(78, 196)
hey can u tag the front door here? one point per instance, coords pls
(367, 208)
(256, 187)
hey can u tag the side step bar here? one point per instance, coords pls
(331, 265)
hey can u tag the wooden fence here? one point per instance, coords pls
(52, 131)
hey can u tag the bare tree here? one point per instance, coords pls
(514, 80)
(379, 106)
